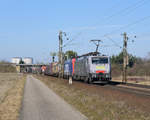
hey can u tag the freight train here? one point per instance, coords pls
(89, 68)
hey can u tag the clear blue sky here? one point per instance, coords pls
(29, 28)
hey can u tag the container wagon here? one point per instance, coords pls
(55, 69)
(48, 70)
(67, 69)
(36, 70)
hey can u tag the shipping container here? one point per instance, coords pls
(55, 69)
(48, 70)
(67, 69)
(73, 64)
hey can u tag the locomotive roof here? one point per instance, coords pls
(84, 57)
(90, 54)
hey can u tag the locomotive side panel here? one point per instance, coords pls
(81, 68)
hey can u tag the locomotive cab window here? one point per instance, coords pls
(98, 60)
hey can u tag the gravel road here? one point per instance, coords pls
(41, 103)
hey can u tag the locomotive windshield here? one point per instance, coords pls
(99, 60)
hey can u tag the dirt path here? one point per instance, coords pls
(41, 103)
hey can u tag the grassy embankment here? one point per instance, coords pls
(11, 87)
(97, 103)
(6, 67)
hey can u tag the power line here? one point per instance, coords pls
(107, 19)
(129, 8)
(128, 25)
(135, 5)
(109, 10)
(115, 43)
(114, 6)
(68, 43)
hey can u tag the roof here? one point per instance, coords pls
(31, 64)
(90, 54)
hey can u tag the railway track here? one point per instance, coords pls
(130, 84)
(142, 90)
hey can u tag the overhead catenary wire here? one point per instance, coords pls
(115, 43)
(130, 9)
(114, 6)
(128, 25)
(109, 17)
(127, 9)
(68, 43)
(82, 31)
(135, 6)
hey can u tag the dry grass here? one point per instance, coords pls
(96, 104)
(12, 95)
(143, 80)
(7, 68)
(7, 81)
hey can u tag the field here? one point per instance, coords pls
(7, 68)
(99, 103)
(11, 91)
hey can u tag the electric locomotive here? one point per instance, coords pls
(92, 67)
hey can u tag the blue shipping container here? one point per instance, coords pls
(68, 68)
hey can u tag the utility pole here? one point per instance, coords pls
(97, 43)
(61, 55)
(125, 58)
